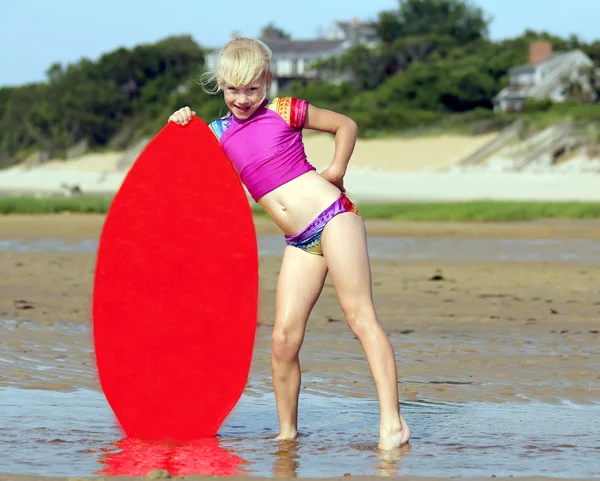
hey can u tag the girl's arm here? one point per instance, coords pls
(345, 131)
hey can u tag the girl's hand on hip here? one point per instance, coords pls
(182, 116)
(335, 178)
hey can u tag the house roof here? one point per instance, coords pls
(523, 69)
(281, 46)
(530, 68)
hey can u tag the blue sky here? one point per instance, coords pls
(36, 33)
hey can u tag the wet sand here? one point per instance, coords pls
(462, 331)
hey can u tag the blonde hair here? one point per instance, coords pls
(240, 62)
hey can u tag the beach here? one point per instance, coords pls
(495, 326)
(395, 169)
(515, 333)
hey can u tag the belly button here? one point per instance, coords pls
(283, 207)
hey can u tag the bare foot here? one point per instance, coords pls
(286, 435)
(395, 438)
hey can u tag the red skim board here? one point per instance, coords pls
(175, 295)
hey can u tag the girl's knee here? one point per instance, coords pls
(360, 319)
(286, 343)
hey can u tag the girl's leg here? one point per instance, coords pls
(300, 283)
(344, 245)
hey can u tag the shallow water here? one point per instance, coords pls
(392, 248)
(74, 434)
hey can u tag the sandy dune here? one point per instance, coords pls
(401, 154)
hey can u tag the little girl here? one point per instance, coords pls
(323, 230)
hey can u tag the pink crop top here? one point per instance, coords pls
(266, 150)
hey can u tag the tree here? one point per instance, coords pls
(92, 101)
(24, 120)
(55, 72)
(584, 87)
(458, 19)
(418, 48)
(420, 28)
(388, 27)
(363, 66)
(270, 31)
(593, 51)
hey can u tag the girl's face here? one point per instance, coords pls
(244, 101)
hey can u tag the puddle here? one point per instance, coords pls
(393, 248)
(48, 245)
(74, 434)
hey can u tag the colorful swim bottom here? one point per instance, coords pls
(309, 239)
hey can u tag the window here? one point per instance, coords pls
(284, 67)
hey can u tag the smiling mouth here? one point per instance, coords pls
(242, 109)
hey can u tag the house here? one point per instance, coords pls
(547, 76)
(292, 59)
(353, 31)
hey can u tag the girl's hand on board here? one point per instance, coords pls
(182, 116)
(335, 178)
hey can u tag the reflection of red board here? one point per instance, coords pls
(204, 457)
(176, 289)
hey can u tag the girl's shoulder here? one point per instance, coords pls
(291, 109)
(219, 126)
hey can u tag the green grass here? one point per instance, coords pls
(475, 211)
(481, 211)
(478, 211)
(51, 205)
